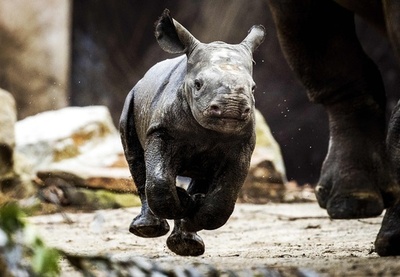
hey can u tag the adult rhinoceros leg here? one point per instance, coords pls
(319, 41)
(388, 240)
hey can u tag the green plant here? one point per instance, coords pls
(22, 251)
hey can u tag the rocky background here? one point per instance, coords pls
(58, 53)
(66, 67)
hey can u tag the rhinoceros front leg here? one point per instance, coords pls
(163, 197)
(213, 208)
(181, 241)
(147, 225)
(185, 243)
(214, 199)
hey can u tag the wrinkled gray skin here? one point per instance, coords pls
(361, 173)
(190, 116)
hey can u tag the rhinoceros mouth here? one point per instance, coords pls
(226, 124)
(227, 113)
(230, 119)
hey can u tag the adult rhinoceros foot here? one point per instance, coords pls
(356, 179)
(351, 194)
(186, 244)
(355, 205)
(387, 242)
(148, 226)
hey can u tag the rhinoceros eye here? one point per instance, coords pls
(198, 84)
(253, 88)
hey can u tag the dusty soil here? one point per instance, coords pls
(275, 236)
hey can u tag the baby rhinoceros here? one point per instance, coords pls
(190, 116)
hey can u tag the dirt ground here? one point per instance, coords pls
(275, 236)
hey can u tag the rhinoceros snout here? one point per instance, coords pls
(229, 111)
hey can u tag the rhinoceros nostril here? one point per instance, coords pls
(246, 111)
(215, 110)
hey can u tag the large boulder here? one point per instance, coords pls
(76, 158)
(12, 174)
(267, 177)
(79, 145)
(267, 181)
(53, 136)
(8, 117)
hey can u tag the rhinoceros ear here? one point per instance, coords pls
(255, 37)
(172, 36)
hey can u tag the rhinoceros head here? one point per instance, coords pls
(218, 86)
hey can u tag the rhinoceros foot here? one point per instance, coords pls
(387, 242)
(148, 226)
(186, 244)
(345, 200)
(355, 179)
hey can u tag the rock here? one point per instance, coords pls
(34, 53)
(61, 193)
(79, 146)
(14, 180)
(267, 178)
(54, 136)
(268, 146)
(8, 117)
(86, 171)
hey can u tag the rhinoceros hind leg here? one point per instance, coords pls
(185, 243)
